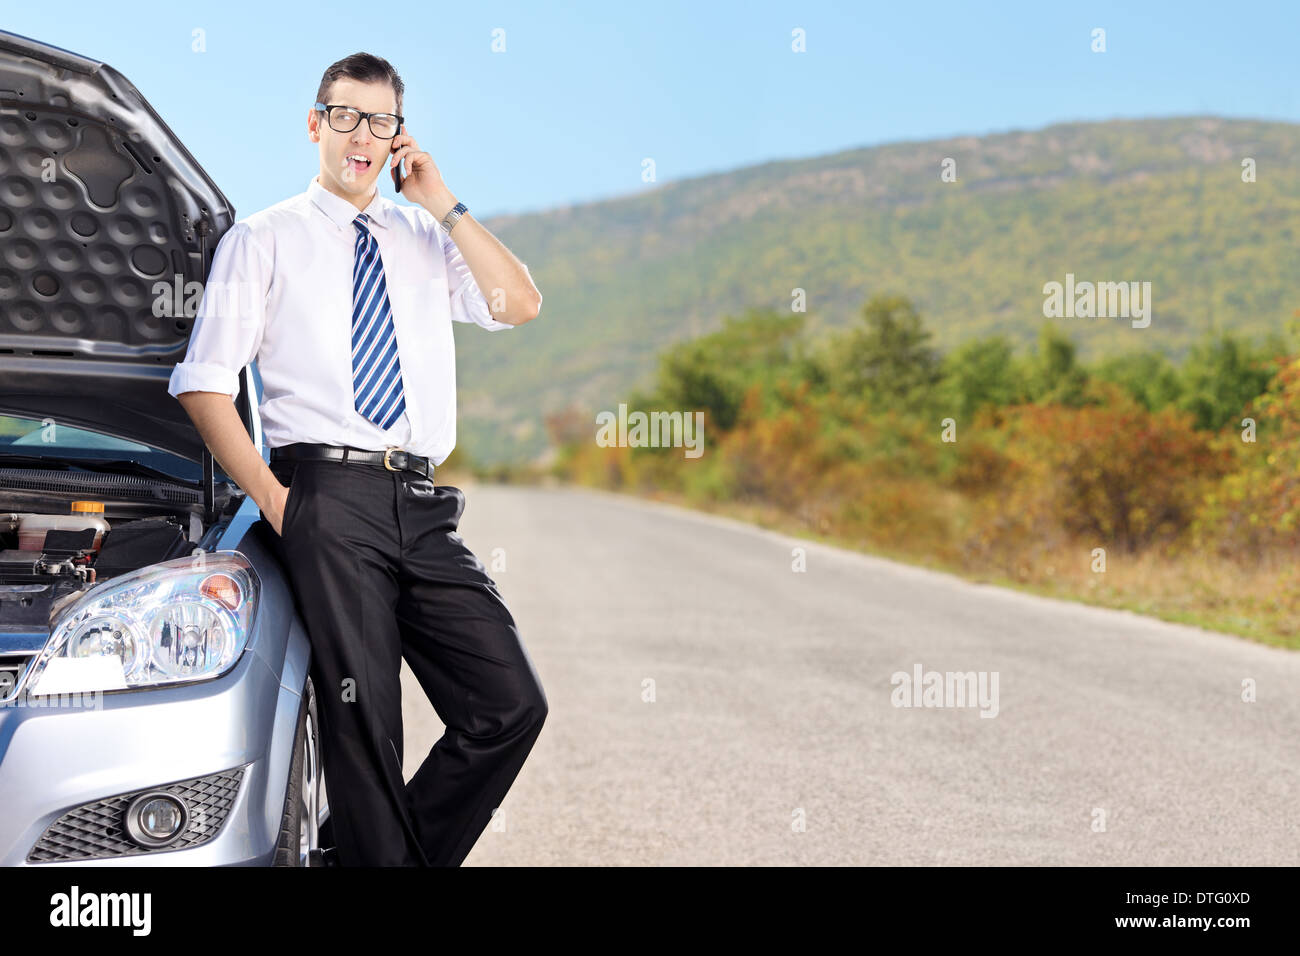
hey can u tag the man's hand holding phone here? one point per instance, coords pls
(423, 182)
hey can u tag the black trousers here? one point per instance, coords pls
(380, 574)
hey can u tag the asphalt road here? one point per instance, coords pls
(772, 739)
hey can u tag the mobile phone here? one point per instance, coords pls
(398, 175)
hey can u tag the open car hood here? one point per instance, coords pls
(99, 204)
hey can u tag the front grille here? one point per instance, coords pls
(97, 830)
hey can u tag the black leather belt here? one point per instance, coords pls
(391, 458)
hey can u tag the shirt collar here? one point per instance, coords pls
(341, 212)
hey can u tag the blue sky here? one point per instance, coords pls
(585, 91)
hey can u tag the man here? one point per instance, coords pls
(345, 299)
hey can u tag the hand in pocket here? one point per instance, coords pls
(281, 508)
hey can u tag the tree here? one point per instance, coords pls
(982, 373)
(1054, 374)
(888, 359)
(712, 373)
(1147, 376)
(1221, 374)
(1114, 475)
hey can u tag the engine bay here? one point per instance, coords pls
(50, 552)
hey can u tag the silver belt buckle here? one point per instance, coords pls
(388, 451)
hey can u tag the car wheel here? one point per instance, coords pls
(300, 822)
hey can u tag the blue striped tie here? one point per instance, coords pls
(376, 372)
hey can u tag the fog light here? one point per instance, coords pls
(156, 819)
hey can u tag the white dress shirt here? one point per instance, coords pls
(280, 292)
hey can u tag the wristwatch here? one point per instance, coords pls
(453, 217)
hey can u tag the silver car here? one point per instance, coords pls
(155, 703)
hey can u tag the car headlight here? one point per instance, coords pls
(182, 620)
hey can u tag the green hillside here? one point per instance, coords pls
(1159, 200)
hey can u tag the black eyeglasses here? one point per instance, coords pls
(344, 119)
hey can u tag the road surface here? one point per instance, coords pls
(773, 736)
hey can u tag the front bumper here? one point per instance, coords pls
(230, 740)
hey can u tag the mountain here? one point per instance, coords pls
(1151, 200)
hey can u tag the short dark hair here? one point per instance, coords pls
(365, 67)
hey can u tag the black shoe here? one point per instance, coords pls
(327, 856)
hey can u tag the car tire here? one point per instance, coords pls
(299, 832)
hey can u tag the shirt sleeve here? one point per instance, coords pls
(231, 318)
(467, 301)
